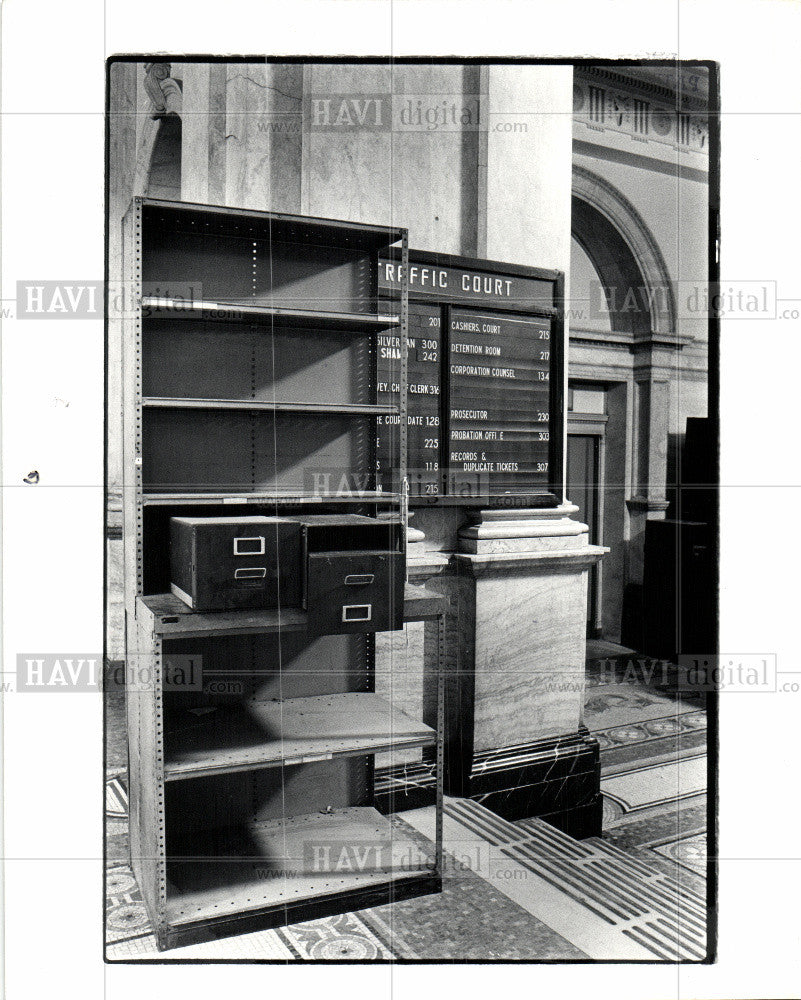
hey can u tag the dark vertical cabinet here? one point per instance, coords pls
(250, 372)
(680, 586)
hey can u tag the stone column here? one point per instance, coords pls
(263, 136)
(525, 182)
(195, 135)
(652, 390)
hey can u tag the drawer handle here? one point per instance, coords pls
(253, 573)
(250, 550)
(359, 579)
(357, 612)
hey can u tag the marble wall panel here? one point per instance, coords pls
(263, 136)
(529, 655)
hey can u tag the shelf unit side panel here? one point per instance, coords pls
(131, 395)
(146, 772)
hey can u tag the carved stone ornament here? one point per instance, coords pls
(164, 92)
(700, 132)
(661, 121)
(621, 108)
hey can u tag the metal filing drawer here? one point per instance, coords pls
(224, 563)
(355, 591)
(354, 573)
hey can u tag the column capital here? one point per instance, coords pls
(527, 530)
(653, 507)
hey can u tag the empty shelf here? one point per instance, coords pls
(294, 731)
(278, 863)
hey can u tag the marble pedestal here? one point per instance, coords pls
(519, 744)
(514, 665)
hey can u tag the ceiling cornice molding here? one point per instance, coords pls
(630, 78)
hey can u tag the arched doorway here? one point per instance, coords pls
(604, 259)
(625, 255)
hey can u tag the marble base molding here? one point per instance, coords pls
(556, 779)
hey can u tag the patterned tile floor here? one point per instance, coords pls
(652, 736)
(689, 852)
(607, 903)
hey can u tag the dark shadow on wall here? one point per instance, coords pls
(631, 624)
(679, 594)
(165, 165)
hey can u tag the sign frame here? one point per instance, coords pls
(432, 283)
